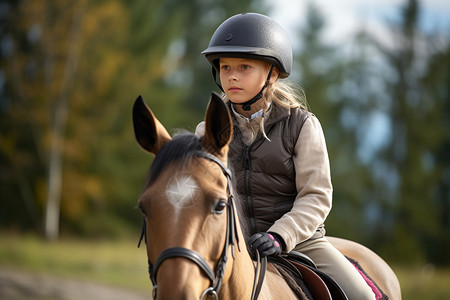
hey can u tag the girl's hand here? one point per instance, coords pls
(265, 243)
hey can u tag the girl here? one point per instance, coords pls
(278, 152)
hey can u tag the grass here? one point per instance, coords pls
(121, 263)
(118, 263)
(426, 282)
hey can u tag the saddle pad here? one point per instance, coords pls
(379, 294)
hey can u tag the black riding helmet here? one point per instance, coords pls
(253, 36)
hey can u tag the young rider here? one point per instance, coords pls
(278, 153)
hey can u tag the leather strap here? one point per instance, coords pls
(260, 273)
(185, 253)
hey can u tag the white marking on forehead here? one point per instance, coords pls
(182, 191)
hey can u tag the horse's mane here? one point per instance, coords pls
(181, 149)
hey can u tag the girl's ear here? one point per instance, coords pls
(274, 75)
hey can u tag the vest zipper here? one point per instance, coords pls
(248, 197)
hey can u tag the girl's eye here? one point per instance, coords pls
(245, 67)
(224, 67)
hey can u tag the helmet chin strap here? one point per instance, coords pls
(247, 105)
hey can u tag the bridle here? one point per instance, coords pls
(231, 239)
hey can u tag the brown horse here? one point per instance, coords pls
(190, 218)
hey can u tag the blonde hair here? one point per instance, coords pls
(284, 93)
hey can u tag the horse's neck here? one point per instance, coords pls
(241, 269)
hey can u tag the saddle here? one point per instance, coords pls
(304, 272)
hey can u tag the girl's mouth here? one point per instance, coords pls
(234, 89)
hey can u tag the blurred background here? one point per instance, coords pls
(376, 74)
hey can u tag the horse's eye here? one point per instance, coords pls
(141, 208)
(220, 207)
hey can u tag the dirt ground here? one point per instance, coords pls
(19, 285)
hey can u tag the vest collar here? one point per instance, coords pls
(277, 114)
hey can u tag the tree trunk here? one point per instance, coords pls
(55, 167)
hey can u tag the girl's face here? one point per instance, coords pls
(242, 78)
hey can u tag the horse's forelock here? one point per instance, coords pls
(180, 148)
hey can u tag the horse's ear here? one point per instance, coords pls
(149, 132)
(218, 126)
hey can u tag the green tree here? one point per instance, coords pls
(69, 73)
(47, 82)
(384, 112)
(412, 161)
(326, 73)
(435, 160)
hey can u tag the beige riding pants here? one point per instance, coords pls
(329, 260)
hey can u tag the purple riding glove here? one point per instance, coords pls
(266, 243)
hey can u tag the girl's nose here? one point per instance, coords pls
(232, 76)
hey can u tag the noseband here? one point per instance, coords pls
(230, 239)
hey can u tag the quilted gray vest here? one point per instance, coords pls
(264, 172)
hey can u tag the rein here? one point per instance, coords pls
(231, 239)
